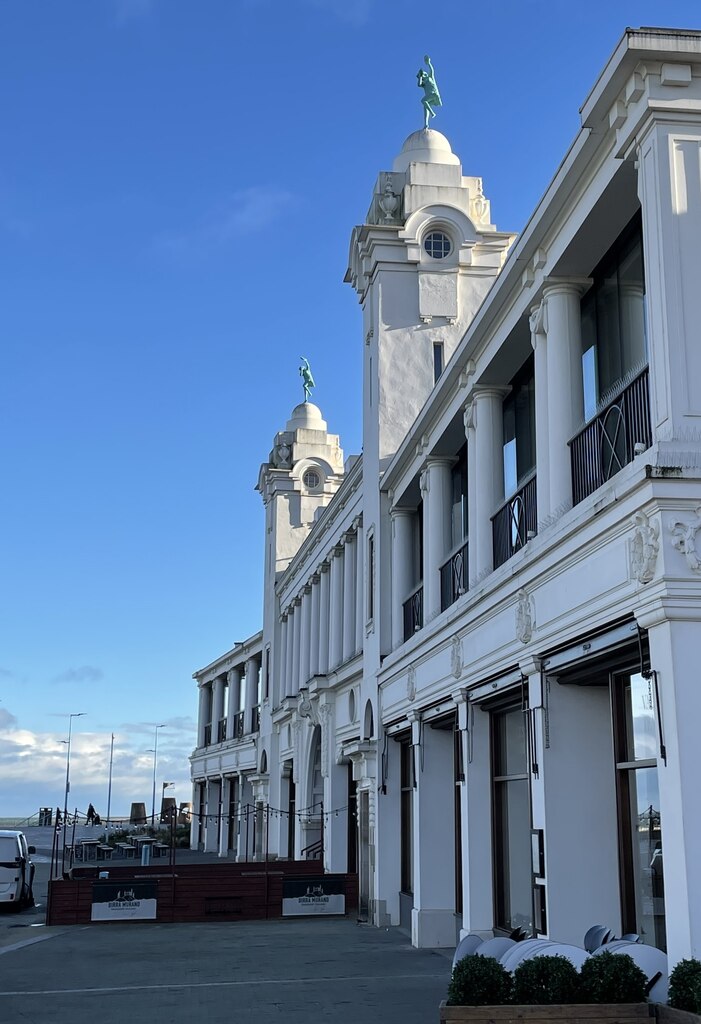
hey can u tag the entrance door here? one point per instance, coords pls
(640, 825)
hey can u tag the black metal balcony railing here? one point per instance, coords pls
(221, 730)
(608, 442)
(515, 523)
(255, 718)
(414, 612)
(454, 577)
(238, 725)
(208, 735)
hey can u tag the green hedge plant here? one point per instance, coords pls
(612, 978)
(685, 986)
(479, 981)
(546, 979)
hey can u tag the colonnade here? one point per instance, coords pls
(229, 704)
(556, 338)
(323, 626)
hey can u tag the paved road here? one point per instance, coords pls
(290, 972)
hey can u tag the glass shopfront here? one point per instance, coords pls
(513, 897)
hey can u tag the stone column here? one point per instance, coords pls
(306, 639)
(359, 587)
(280, 663)
(349, 563)
(314, 628)
(565, 393)
(296, 647)
(538, 325)
(195, 817)
(233, 677)
(674, 653)
(402, 521)
(217, 706)
(336, 614)
(669, 187)
(436, 486)
(433, 915)
(324, 610)
(224, 821)
(202, 712)
(211, 838)
(289, 653)
(484, 428)
(252, 671)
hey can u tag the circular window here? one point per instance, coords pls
(437, 245)
(311, 479)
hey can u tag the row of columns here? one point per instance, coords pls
(323, 627)
(557, 342)
(224, 697)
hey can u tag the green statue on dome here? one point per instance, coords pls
(305, 372)
(426, 80)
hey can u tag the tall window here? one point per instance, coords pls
(407, 817)
(614, 342)
(437, 360)
(371, 578)
(641, 861)
(512, 820)
(458, 515)
(519, 429)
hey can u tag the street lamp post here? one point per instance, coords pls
(155, 759)
(78, 714)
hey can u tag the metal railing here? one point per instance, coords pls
(238, 725)
(454, 577)
(208, 735)
(255, 718)
(413, 609)
(221, 730)
(515, 523)
(609, 441)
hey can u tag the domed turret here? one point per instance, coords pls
(425, 147)
(306, 416)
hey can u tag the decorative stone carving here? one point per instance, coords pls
(480, 206)
(525, 617)
(307, 708)
(684, 539)
(411, 683)
(326, 726)
(283, 454)
(644, 547)
(456, 657)
(389, 203)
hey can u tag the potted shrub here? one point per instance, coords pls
(545, 989)
(684, 995)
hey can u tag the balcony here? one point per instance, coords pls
(515, 523)
(454, 577)
(612, 439)
(413, 612)
(221, 730)
(208, 735)
(237, 732)
(255, 718)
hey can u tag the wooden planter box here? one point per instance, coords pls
(573, 1013)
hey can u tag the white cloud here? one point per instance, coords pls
(33, 767)
(244, 211)
(83, 674)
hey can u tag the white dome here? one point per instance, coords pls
(306, 416)
(425, 147)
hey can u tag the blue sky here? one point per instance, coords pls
(178, 184)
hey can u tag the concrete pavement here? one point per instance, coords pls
(292, 971)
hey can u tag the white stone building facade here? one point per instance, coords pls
(476, 682)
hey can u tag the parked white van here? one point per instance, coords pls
(16, 869)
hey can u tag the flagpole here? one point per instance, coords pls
(109, 791)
